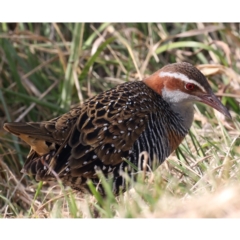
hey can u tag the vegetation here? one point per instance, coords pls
(45, 69)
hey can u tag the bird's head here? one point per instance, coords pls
(182, 83)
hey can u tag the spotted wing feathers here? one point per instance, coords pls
(95, 135)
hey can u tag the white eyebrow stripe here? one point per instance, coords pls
(182, 77)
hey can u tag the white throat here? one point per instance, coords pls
(181, 103)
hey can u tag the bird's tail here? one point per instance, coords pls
(34, 134)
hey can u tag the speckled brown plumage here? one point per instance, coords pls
(98, 135)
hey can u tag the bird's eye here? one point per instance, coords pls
(189, 86)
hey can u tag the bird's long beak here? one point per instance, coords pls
(213, 101)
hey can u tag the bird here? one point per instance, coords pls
(152, 115)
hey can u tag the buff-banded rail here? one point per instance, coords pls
(153, 115)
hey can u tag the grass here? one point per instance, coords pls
(47, 68)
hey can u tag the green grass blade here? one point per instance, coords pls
(37, 101)
(68, 84)
(190, 44)
(93, 58)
